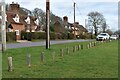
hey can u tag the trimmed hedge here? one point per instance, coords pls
(85, 36)
(10, 36)
(42, 35)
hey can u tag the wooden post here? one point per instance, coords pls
(95, 44)
(88, 46)
(61, 52)
(42, 57)
(68, 50)
(29, 60)
(78, 47)
(82, 46)
(92, 44)
(53, 56)
(3, 25)
(47, 24)
(10, 65)
(73, 49)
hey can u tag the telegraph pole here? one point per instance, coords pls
(3, 25)
(47, 24)
(74, 20)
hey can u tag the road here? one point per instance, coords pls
(42, 43)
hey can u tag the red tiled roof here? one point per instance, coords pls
(11, 15)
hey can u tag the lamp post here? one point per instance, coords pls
(47, 24)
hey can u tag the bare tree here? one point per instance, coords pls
(95, 20)
(109, 31)
(40, 14)
(104, 26)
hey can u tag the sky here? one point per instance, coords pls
(109, 8)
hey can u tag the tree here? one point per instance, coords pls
(95, 20)
(40, 14)
(117, 32)
(109, 32)
(104, 26)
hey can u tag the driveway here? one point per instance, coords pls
(43, 43)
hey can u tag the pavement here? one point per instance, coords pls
(42, 43)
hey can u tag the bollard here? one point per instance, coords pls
(53, 56)
(78, 47)
(88, 46)
(82, 46)
(10, 66)
(61, 52)
(75, 48)
(42, 57)
(29, 60)
(68, 50)
(94, 44)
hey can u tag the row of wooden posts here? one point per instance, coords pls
(62, 53)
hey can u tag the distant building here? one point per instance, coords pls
(65, 26)
(17, 22)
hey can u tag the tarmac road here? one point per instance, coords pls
(42, 43)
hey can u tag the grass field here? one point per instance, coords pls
(100, 61)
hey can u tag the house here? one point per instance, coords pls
(65, 26)
(17, 22)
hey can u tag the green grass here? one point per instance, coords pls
(100, 61)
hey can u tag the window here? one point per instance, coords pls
(27, 20)
(17, 32)
(16, 19)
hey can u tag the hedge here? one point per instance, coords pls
(42, 35)
(10, 36)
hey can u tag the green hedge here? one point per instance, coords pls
(10, 36)
(42, 35)
(85, 36)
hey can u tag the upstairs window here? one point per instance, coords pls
(17, 18)
(36, 22)
(27, 20)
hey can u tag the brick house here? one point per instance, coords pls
(17, 22)
(65, 26)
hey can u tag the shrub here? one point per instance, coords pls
(10, 36)
(36, 35)
(85, 36)
(70, 36)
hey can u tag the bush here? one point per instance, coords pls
(42, 35)
(70, 36)
(85, 36)
(10, 36)
(36, 35)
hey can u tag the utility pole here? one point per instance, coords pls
(74, 20)
(47, 24)
(3, 25)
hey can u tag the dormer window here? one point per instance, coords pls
(17, 18)
(36, 22)
(27, 20)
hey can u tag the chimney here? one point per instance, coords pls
(65, 19)
(14, 7)
(77, 23)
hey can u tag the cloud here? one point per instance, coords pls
(109, 8)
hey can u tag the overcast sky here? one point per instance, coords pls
(109, 8)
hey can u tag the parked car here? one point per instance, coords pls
(113, 37)
(103, 36)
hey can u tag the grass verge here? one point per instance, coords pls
(100, 61)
